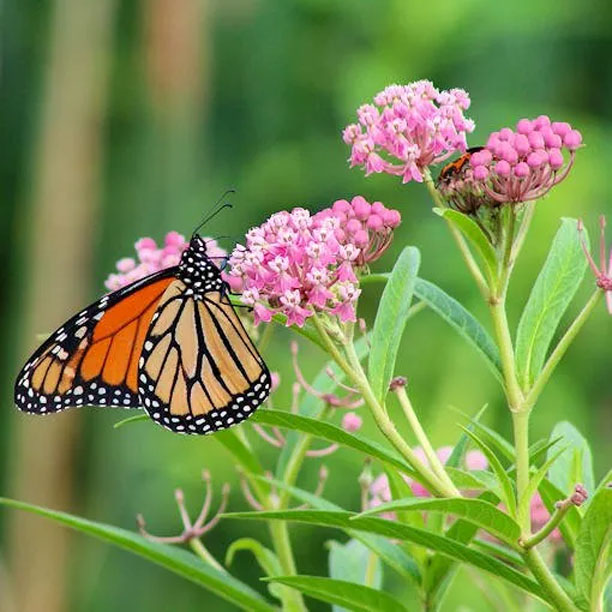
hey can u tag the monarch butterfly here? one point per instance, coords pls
(170, 343)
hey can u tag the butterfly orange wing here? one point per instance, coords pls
(199, 371)
(93, 358)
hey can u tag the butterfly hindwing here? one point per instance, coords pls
(93, 358)
(199, 371)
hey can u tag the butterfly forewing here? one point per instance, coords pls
(93, 358)
(199, 371)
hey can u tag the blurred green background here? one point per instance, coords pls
(126, 119)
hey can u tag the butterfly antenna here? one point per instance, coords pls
(217, 208)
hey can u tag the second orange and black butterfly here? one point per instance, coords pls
(170, 343)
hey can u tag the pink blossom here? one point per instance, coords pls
(151, 258)
(351, 422)
(297, 264)
(525, 164)
(540, 516)
(603, 274)
(408, 128)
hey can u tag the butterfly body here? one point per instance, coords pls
(170, 343)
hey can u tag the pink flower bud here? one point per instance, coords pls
(555, 159)
(145, 243)
(351, 422)
(521, 170)
(374, 223)
(174, 239)
(524, 126)
(521, 144)
(481, 172)
(392, 218)
(378, 208)
(536, 140)
(505, 134)
(341, 206)
(541, 121)
(361, 238)
(534, 160)
(361, 208)
(475, 460)
(353, 226)
(572, 140)
(502, 168)
(509, 154)
(561, 128)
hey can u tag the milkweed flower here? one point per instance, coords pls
(297, 264)
(526, 163)
(408, 128)
(603, 274)
(151, 258)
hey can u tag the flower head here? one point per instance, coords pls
(408, 128)
(603, 274)
(151, 258)
(297, 263)
(524, 164)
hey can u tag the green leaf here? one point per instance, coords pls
(392, 555)
(475, 236)
(462, 320)
(593, 560)
(524, 503)
(232, 442)
(391, 319)
(171, 558)
(550, 296)
(332, 433)
(576, 464)
(497, 442)
(507, 489)
(352, 562)
(473, 480)
(475, 511)
(456, 315)
(346, 594)
(570, 525)
(133, 419)
(267, 560)
(457, 455)
(391, 529)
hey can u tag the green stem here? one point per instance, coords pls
(556, 594)
(421, 436)
(522, 232)
(464, 249)
(520, 421)
(359, 379)
(561, 348)
(551, 524)
(203, 553)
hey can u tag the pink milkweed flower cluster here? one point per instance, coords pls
(603, 274)
(150, 258)
(380, 492)
(408, 128)
(524, 164)
(297, 263)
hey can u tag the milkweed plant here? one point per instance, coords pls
(527, 513)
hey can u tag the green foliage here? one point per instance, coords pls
(593, 564)
(391, 319)
(342, 593)
(575, 465)
(550, 296)
(171, 558)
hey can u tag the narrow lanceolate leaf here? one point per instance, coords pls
(575, 465)
(462, 320)
(329, 432)
(354, 562)
(551, 294)
(475, 511)
(391, 319)
(593, 560)
(456, 315)
(171, 558)
(394, 556)
(342, 593)
(506, 488)
(475, 236)
(390, 529)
